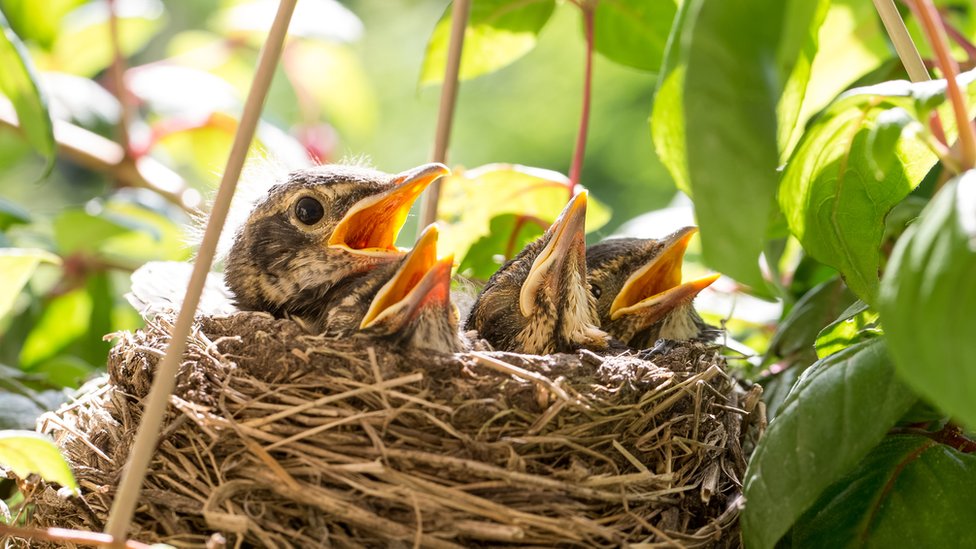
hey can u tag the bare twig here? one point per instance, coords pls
(96, 153)
(118, 75)
(928, 17)
(580, 151)
(902, 41)
(63, 535)
(145, 442)
(445, 115)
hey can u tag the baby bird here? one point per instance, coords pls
(308, 242)
(413, 308)
(539, 302)
(640, 297)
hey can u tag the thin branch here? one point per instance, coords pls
(144, 445)
(928, 16)
(902, 41)
(64, 535)
(96, 153)
(445, 114)
(959, 38)
(118, 75)
(580, 150)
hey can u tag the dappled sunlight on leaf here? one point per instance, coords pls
(16, 267)
(471, 198)
(27, 452)
(499, 32)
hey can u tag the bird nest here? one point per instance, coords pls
(278, 438)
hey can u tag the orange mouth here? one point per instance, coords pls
(372, 225)
(421, 278)
(656, 288)
(568, 231)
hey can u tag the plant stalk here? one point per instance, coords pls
(580, 151)
(144, 445)
(445, 113)
(118, 76)
(902, 41)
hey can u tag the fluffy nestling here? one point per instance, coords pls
(639, 293)
(306, 244)
(539, 302)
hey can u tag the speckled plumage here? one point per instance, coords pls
(609, 264)
(280, 265)
(563, 318)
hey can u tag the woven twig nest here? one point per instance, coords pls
(279, 438)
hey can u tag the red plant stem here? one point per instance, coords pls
(580, 151)
(958, 37)
(520, 221)
(63, 535)
(928, 16)
(118, 76)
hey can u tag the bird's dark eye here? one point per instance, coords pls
(309, 211)
(596, 291)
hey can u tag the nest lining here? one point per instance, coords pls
(279, 438)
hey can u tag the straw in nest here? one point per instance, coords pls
(279, 438)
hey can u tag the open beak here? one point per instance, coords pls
(656, 289)
(371, 226)
(421, 280)
(566, 238)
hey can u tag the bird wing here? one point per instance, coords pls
(159, 286)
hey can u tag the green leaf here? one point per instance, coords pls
(928, 298)
(832, 198)
(499, 32)
(38, 26)
(79, 231)
(64, 319)
(503, 189)
(82, 46)
(858, 323)
(16, 267)
(18, 81)
(724, 107)
(64, 371)
(838, 411)
(11, 214)
(507, 235)
(798, 331)
(26, 453)
(633, 32)
(851, 43)
(910, 491)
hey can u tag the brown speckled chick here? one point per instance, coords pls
(539, 302)
(640, 297)
(311, 239)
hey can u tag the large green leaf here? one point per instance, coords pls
(928, 297)
(499, 189)
(16, 267)
(499, 32)
(837, 412)
(633, 32)
(27, 452)
(910, 491)
(18, 82)
(65, 319)
(850, 169)
(725, 107)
